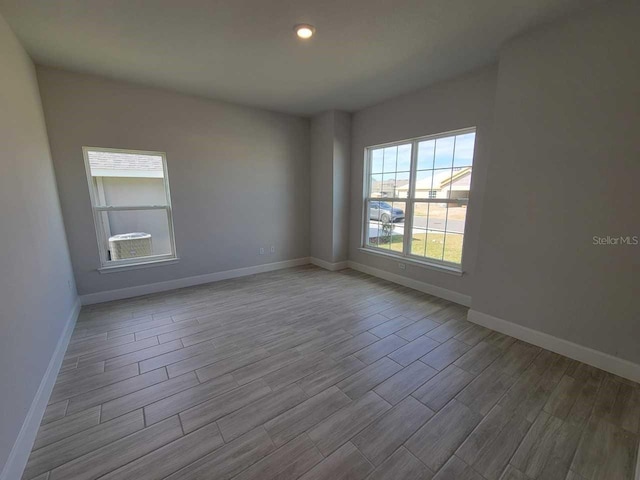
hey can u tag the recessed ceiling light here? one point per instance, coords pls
(304, 30)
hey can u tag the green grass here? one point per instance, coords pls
(448, 249)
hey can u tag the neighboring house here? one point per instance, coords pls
(131, 180)
(387, 188)
(454, 183)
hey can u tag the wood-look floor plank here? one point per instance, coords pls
(227, 461)
(405, 382)
(448, 330)
(298, 369)
(417, 329)
(512, 473)
(321, 380)
(84, 385)
(472, 335)
(262, 410)
(171, 457)
(66, 426)
(114, 455)
(516, 358)
(402, 465)
(436, 441)
(619, 403)
(485, 390)
(222, 405)
(67, 449)
(81, 372)
(229, 364)
(142, 354)
(358, 384)
(456, 469)
(289, 461)
(112, 391)
(379, 349)
(90, 345)
(116, 351)
(54, 411)
(146, 396)
(605, 452)
(380, 439)
(304, 416)
(391, 326)
(337, 429)
(441, 388)
(352, 345)
(173, 357)
(413, 350)
(479, 357)
(548, 448)
(265, 366)
(490, 446)
(182, 401)
(445, 354)
(347, 463)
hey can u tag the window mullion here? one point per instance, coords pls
(408, 218)
(122, 208)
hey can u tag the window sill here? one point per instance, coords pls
(136, 266)
(411, 261)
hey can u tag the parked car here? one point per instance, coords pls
(384, 212)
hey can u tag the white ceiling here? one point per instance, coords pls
(245, 51)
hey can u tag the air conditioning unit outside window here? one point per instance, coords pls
(130, 245)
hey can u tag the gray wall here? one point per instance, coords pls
(239, 176)
(330, 169)
(462, 102)
(565, 167)
(341, 181)
(321, 167)
(37, 293)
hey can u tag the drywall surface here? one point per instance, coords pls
(330, 164)
(341, 177)
(321, 191)
(239, 176)
(465, 101)
(37, 293)
(565, 168)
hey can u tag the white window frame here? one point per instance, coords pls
(98, 209)
(410, 201)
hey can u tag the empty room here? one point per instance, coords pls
(319, 240)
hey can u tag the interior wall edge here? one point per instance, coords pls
(139, 290)
(24, 442)
(424, 287)
(595, 358)
(331, 266)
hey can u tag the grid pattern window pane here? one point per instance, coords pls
(417, 195)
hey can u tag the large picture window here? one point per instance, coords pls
(416, 197)
(131, 206)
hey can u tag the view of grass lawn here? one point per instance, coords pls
(452, 251)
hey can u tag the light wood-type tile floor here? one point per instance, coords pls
(304, 373)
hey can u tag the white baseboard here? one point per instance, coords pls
(130, 292)
(333, 267)
(22, 447)
(595, 358)
(450, 295)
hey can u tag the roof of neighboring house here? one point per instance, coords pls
(439, 180)
(116, 164)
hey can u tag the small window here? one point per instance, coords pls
(131, 205)
(421, 189)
